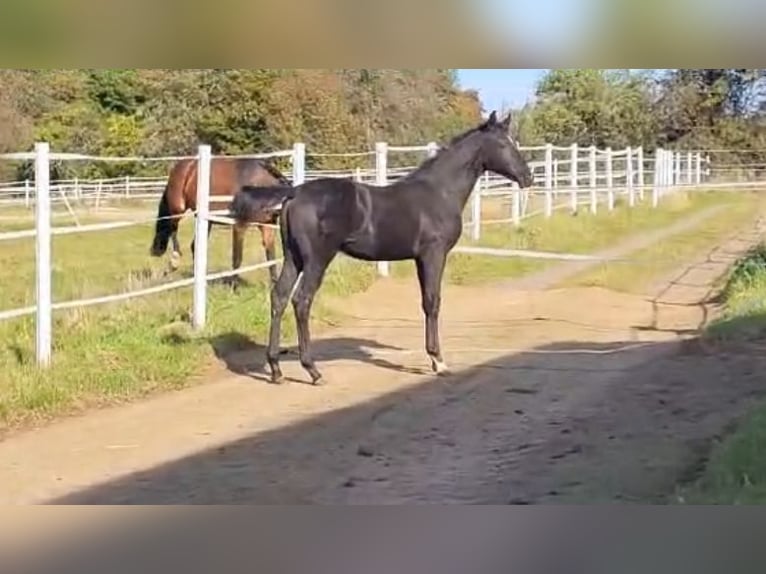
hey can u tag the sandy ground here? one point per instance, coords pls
(559, 395)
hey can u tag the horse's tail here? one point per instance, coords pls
(163, 229)
(253, 203)
(275, 173)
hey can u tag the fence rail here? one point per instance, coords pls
(566, 178)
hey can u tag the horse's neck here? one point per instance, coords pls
(455, 173)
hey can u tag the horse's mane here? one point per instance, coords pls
(441, 151)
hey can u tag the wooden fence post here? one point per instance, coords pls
(593, 179)
(299, 163)
(629, 176)
(573, 166)
(698, 168)
(43, 336)
(671, 159)
(200, 238)
(381, 179)
(548, 180)
(476, 211)
(659, 175)
(689, 170)
(609, 180)
(640, 162)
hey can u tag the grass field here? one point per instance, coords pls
(584, 233)
(661, 258)
(744, 294)
(120, 351)
(736, 470)
(117, 351)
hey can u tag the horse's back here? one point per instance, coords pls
(361, 220)
(327, 199)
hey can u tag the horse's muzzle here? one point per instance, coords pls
(527, 181)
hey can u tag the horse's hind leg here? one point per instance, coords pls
(280, 293)
(237, 241)
(267, 238)
(303, 298)
(430, 268)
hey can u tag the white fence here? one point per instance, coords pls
(596, 175)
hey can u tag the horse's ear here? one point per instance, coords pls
(506, 123)
(492, 118)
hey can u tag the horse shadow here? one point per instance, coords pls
(243, 356)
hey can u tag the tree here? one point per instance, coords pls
(693, 102)
(155, 112)
(115, 91)
(589, 107)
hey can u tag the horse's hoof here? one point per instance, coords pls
(278, 380)
(318, 380)
(175, 259)
(440, 368)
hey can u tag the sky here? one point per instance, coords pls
(543, 26)
(503, 87)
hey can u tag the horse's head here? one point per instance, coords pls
(500, 152)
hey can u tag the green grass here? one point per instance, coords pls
(744, 296)
(121, 351)
(584, 233)
(667, 255)
(736, 470)
(113, 352)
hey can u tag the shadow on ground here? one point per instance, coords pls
(623, 421)
(243, 356)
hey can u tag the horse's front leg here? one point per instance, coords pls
(175, 256)
(430, 268)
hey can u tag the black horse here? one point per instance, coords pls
(418, 217)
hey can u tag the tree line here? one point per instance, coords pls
(680, 109)
(140, 112)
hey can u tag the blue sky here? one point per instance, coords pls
(544, 28)
(512, 87)
(508, 87)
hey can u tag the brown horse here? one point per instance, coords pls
(227, 177)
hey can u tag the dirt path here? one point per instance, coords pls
(564, 394)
